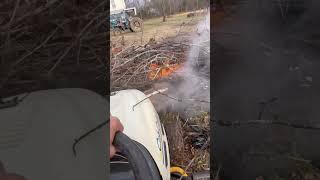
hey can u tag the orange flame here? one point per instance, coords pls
(161, 71)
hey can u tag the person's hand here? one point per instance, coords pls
(115, 126)
(8, 176)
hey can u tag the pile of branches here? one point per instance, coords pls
(130, 67)
(52, 44)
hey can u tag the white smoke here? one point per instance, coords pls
(192, 85)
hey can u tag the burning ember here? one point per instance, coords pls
(116, 50)
(164, 70)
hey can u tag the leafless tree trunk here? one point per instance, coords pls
(186, 8)
(163, 11)
(197, 4)
(164, 18)
(170, 7)
(174, 6)
(141, 38)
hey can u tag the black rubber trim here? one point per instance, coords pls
(151, 163)
(165, 153)
(137, 158)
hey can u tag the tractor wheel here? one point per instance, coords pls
(136, 24)
(117, 31)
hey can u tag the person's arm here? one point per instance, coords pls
(115, 126)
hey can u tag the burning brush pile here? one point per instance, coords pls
(174, 74)
(52, 44)
(159, 69)
(139, 66)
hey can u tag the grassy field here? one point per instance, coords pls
(155, 28)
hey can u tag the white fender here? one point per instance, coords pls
(142, 124)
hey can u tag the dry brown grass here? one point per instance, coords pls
(182, 149)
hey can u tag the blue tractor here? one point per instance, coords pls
(125, 19)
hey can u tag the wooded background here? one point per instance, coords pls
(154, 8)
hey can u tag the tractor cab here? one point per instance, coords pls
(122, 18)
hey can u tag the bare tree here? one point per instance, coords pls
(163, 10)
(160, 5)
(197, 4)
(170, 7)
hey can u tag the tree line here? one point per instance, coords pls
(164, 8)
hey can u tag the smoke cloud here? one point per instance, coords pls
(191, 85)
